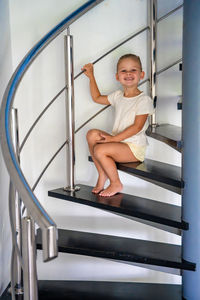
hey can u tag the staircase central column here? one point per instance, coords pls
(191, 146)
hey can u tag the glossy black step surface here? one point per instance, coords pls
(119, 248)
(169, 134)
(99, 290)
(126, 205)
(162, 174)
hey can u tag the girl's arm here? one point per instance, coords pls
(128, 132)
(94, 90)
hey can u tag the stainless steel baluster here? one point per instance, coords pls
(29, 258)
(16, 214)
(153, 52)
(69, 73)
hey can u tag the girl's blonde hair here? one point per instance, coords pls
(132, 56)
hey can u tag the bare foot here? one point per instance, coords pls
(100, 184)
(112, 189)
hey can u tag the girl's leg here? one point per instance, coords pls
(93, 137)
(107, 154)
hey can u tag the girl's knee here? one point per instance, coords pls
(99, 150)
(92, 135)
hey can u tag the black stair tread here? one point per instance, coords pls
(154, 171)
(94, 290)
(98, 290)
(169, 134)
(120, 248)
(126, 205)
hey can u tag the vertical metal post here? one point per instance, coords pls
(15, 131)
(153, 45)
(16, 213)
(29, 258)
(191, 146)
(70, 111)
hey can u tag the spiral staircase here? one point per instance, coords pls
(49, 239)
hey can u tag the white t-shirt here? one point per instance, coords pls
(125, 111)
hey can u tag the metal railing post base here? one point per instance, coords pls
(154, 125)
(18, 290)
(72, 189)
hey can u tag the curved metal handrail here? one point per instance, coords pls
(40, 216)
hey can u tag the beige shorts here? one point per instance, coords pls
(138, 151)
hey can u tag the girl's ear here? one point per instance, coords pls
(117, 76)
(142, 75)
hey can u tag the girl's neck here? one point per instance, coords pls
(131, 92)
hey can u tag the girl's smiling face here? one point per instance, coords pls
(129, 72)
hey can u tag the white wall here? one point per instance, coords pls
(94, 34)
(5, 73)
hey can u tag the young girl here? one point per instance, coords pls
(128, 140)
